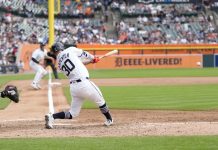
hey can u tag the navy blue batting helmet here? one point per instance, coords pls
(57, 47)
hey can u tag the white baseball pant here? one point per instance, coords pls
(80, 91)
(40, 71)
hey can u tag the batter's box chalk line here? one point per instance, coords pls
(15, 120)
(55, 83)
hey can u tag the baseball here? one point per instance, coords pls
(199, 63)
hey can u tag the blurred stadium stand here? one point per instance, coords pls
(108, 22)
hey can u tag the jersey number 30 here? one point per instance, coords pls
(67, 67)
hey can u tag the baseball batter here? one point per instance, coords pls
(71, 62)
(37, 65)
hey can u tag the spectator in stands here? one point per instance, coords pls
(20, 66)
(177, 23)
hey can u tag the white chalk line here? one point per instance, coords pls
(146, 123)
(21, 120)
(50, 98)
(179, 123)
(64, 124)
(32, 119)
(55, 83)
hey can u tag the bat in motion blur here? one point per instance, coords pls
(109, 54)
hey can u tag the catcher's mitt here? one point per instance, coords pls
(10, 91)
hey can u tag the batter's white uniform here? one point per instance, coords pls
(37, 56)
(70, 62)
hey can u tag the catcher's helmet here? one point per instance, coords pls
(57, 47)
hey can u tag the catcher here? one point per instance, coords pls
(10, 92)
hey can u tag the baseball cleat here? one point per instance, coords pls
(38, 86)
(108, 122)
(34, 85)
(49, 121)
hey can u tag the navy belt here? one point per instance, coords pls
(34, 60)
(76, 81)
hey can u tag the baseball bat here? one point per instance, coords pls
(109, 54)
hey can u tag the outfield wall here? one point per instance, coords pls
(144, 56)
(149, 61)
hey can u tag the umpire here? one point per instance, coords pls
(48, 62)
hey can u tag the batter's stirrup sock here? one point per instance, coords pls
(68, 115)
(108, 115)
(104, 110)
(60, 115)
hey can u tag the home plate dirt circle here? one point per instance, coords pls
(26, 119)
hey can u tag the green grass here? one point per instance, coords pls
(140, 73)
(107, 143)
(4, 102)
(121, 73)
(174, 97)
(133, 73)
(6, 78)
(128, 73)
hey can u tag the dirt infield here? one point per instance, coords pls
(26, 119)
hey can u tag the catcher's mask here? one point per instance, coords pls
(57, 47)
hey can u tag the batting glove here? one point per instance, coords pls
(95, 60)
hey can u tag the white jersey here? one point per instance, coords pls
(70, 62)
(38, 54)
